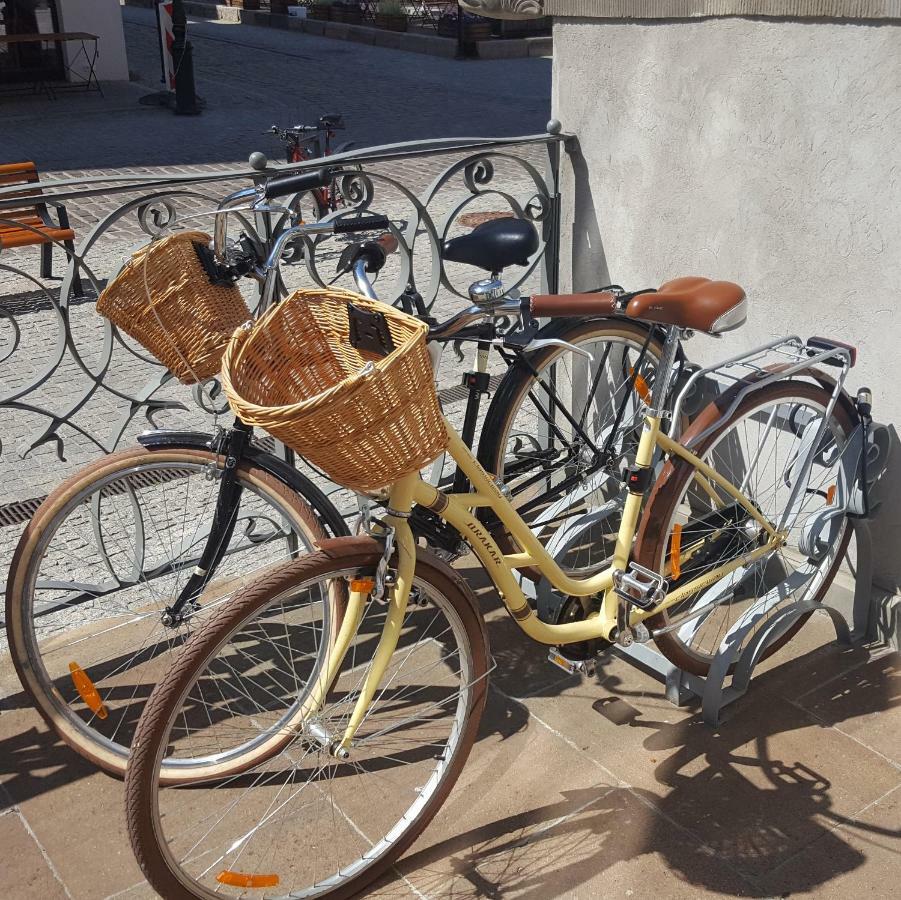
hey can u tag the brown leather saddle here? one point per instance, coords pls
(697, 303)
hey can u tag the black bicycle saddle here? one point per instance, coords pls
(494, 245)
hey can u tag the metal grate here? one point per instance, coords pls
(19, 512)
(23, 510)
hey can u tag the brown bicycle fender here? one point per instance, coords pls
(704, 420)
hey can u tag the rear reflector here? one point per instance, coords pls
(641, 386)
(243, 879)
(675, 551)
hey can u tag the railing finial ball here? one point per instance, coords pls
(258, 161)
(554, 126)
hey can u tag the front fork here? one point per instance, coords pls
(222, 527)
(398, 595)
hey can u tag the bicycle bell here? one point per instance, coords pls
(486, 291)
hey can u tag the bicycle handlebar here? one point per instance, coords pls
(369, 223)
(282, 185)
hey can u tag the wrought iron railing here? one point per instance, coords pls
(73, 387)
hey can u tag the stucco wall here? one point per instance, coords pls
(103, 18)
(766, 152)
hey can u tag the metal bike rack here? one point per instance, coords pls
(717, 690)
(733, 666)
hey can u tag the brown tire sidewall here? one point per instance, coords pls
(46, 516)
(141, 780)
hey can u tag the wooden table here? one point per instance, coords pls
(87, 83)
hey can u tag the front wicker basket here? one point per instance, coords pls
(163, 298)
(362, 418)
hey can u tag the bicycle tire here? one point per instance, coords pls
(655, 529)
(60, 516)
(513, 392)
(164, 714)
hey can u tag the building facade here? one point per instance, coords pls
(749, 140)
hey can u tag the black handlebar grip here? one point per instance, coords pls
(370, 223)
(282, 185)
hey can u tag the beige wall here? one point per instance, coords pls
(103, 18)
(766, 152)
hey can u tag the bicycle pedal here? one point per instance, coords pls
(571, 666)
(639, 586)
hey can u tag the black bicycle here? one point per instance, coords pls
(126, 557)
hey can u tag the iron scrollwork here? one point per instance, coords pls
(73, 387)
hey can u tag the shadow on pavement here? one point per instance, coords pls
(727, 813)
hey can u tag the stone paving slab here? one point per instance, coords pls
(575, 788)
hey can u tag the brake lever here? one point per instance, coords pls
(346, 260)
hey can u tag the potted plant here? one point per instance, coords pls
(475, 28)
(321, 9)
(348, 11)
(391, 15)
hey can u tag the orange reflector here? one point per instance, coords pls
(675, 551)
(362, 585)
(87, 691)
(641, 386)
(830, 494)
(242, 879)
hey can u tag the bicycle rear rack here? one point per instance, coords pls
(752, 370)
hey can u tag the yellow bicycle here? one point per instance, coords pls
(310, 769)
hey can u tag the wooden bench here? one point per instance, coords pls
(31, 223)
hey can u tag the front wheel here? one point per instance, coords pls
(300, 821)
(104, 556)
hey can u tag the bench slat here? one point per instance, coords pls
(26, 238)
(22, 167)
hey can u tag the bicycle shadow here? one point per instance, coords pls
(34, 761)
(753, 808)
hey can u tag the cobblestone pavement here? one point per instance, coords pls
(251, 77)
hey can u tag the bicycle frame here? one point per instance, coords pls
(457, 509)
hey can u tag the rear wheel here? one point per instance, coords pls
(760, 449)
(546, 423)
(299, 820)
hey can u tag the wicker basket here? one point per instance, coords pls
(164, 299)
(363, 418)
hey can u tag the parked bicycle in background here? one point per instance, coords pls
(306, 142)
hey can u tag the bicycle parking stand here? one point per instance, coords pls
(713, 691)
